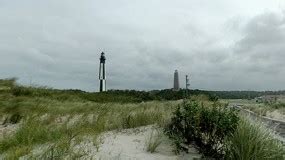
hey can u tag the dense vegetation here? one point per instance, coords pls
(204, 126)
(221, 133)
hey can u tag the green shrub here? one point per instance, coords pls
(253, 142)
(206, 127)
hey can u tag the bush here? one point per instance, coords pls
(205, 127)
(253, 142)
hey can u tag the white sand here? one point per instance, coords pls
(130, 145)
(8, 129)
(276, 115)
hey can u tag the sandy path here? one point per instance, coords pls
(130, 145)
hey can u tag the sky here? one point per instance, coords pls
(221, 44)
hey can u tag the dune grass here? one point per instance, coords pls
(252, 141)
(56, 121)
(52, 122)
(153, 140)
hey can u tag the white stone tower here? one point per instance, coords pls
(176, 81)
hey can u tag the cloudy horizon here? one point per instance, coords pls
(223, 45)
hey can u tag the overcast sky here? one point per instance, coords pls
(222, 44)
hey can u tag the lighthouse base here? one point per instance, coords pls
(102, 85)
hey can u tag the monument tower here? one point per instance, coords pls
(176, 81)
(102, 73)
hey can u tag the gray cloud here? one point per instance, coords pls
(262, 47)
(57, 43)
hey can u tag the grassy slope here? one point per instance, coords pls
(59, 118)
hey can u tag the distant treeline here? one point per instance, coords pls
(169, 94)
(243, 94)
(125, 96)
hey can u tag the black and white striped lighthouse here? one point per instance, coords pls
(102, 73)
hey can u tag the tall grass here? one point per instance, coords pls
(36, 130)
(252, 141)
(153, 140)
(31, 133)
